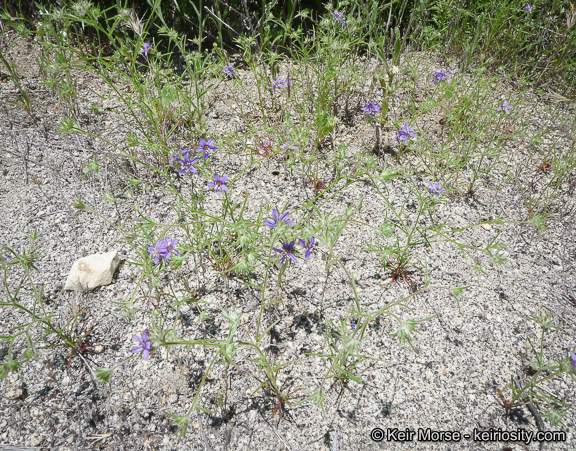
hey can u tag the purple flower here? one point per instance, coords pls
(435, 188)
(339, 17)
(529, 8)
(440, 76)
(286, 146)
(145, 48)
(405, 133)
(277, 219)
(308, 246)
(371, 109)
(144, 346)
(281, 83)
(218, 184)
(169, 248)
(573, 360)
(505, 107)
(286, 251)
(229, 70)
(353, 325)
(157, 251)
(187, 163)
(206, 147)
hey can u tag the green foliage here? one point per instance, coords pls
(538, 45)
(521, 391)
(22, 98)
(503, 35)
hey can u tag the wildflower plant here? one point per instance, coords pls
(521, 391)
(403, 135)
(409, 233)
(238, 245)
(169, 248)
(24, 342)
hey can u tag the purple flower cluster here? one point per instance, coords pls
(440, 76)
(371, 109)
(218, 184)
(505, 107)
(339, 17)
(529, 9)
(229, 70)
(435, 188)
(144, 346)
(163, 250)
(405, 134)
(281, 83)
(288, 246)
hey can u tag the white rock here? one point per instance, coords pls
(15, 393)
(36, 440)
(92, 271)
